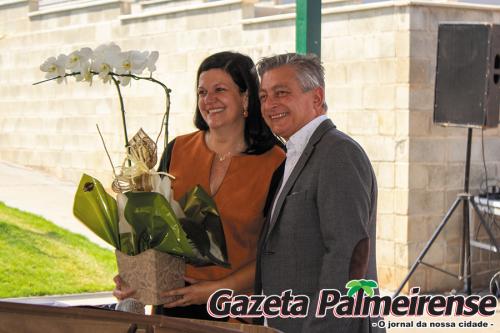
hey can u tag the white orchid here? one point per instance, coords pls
(130, 62)
(85, 74)
(104, 57)
(110, 64)
(55, 67)
(151, 63)
(79, 62)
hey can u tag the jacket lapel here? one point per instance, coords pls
(324, 127)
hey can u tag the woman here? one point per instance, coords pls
(233, 157)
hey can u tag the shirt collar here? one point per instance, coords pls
(299, 139)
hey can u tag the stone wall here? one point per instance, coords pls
(436, 156)
(380, 65)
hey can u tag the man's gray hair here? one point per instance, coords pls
(310, 71)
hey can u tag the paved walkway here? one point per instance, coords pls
(38, 193)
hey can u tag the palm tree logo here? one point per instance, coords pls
(368, 287)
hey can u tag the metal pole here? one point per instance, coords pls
(308, 27)
(466, 255)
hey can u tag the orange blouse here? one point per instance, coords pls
(240, 198)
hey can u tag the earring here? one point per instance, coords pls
(245, 113)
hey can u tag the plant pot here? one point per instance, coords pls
(149, 273)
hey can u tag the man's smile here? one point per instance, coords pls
(278, 115)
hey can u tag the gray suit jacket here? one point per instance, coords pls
(326, 207)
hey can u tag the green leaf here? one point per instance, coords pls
(155, 224)
(204, 227)
(95, 208)
(369, 283)
(353, 283)
(353, 291)
(368, 291)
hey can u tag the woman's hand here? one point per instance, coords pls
(197, 293)
(122, 290)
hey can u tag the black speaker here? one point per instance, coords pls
(467, 91)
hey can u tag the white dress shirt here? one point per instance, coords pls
(294, 148)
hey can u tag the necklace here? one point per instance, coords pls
(224, 156)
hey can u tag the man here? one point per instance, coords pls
(320, 230)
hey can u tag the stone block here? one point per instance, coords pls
(418, 229)
(437, 176)
(359, 23)
(402, 44)
(386, 70)
(423, 45)
(362, 123)
(340, 118)
(385, 201)
(425, 202)
(386, 275)
(402, 150)
(401, 201)
(421, 98)
(232, 37)
(418, 176)
(385, 252)
(336, 74)
(401, 229)
(402, 122)
(421, 72)
(379, 96)
(401, 257)
(381, 45)
(402, 18)
(385, 175)
(402, 175)
(403, 76)
(386, 123)
(379, 148)
(428, 150)
(335, 25)
(419, 19)
(420, 123)
(345, 97)
(385, 227)
(348, 48)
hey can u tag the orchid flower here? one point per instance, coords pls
(130, 62)
(104, 57)
(110, 64)
(55, 67)
(79, 62)
(151, 63)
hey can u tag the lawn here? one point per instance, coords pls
(39, 258)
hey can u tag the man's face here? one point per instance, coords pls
(285, 107)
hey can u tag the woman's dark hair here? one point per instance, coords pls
(241, 68)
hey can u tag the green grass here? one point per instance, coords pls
(39, 258)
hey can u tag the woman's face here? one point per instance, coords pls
(219, 99)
